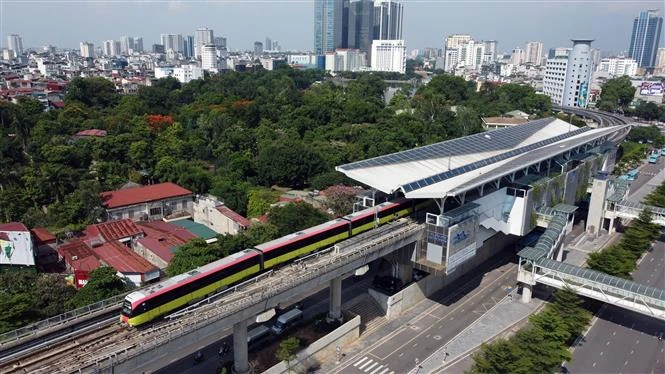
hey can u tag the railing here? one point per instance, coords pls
(274, 284)
(34, 328)
(626, 209)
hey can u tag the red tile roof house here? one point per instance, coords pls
(145, 203)
(81, 259)
(215, 215)
(161, 241)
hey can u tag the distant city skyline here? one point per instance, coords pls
(426, 23)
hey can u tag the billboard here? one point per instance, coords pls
(461, 242)
(651, 88)
(584, 93)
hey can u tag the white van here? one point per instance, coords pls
(256, 334)
(287, 320)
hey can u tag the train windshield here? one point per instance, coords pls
(126, 308)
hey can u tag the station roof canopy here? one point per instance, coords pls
(454, 166)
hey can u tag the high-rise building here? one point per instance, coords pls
(220, 43)
(174, 42)
(470, 54)
(517, 57)
(87, 50)
(203, 36)
(111, 48)
(533, 53)
(490, 50)
(268, 44)
(209, 57)
(388, 18)
(453, 40)
(660, 60)
(15, 44)
(158, 48)
(138, 44)
(361, 25)
(618, 66)
(567, 79)
(345, 60)
(645, 39)
(329, 25)
(389, 55)
(189, 46)
(258, 48)
(126, 45)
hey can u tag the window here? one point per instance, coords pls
(156, 211)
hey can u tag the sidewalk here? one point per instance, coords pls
(501, 317)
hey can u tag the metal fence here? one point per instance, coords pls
(34, 328)
(274, 284)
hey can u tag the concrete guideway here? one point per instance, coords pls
(240, 306)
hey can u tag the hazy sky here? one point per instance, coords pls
(65, 23)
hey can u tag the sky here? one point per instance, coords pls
(65, 23)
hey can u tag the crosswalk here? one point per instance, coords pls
(370, 366)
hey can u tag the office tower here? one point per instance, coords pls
(87, 50)
(361, 25)
(157, 48)
(258, 48)
(533, 53)
(470, 54)
(138, 44)
(567, 79)
(188, 46)
(174, 42)
(275, 46)
(126, 45)
(111, 48)
(209, 57)
(329, 25)
(268, 44)
(389, 55)
(15, 44)
(645, 39)
(388, 18)
(202, 36)
(618, 66)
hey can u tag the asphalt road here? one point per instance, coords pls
(647, 172)
(622, 341)
(313, 305)
(449, 314)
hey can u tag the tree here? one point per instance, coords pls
(340, 199)
(93, 92)
(287, 163)
(501, 356)
(51, 294)
(192, 255)
(569, 306)
(103, 283)
(616, 93)
(259, 200)
(294, 217)
(287, 350)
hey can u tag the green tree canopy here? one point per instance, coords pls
(294, 217)
(103, 283)
(616, 93)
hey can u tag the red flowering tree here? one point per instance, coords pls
(340, 199)
(158, 122)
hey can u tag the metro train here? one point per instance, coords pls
(145, 305)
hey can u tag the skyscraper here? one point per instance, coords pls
(189, 46)
(126, 44)
(258, 48)
(388, 15)
(647, 28)
(361, 25)
(220, 43)
(533, 53)
(209, 57)
(87, 50)
(15, 43)
(138, 44)
(174, 42)
(268, 44)
(328, 25)
(203, 36)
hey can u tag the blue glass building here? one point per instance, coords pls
(645, 39)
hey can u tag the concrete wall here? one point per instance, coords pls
(418, 291)
(502, 212)
(322, 349)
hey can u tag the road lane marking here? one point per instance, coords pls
(401, 354)
(384, 371)
(608, 343)
(631, 351)
(361, 367)
(625, 363)
(377, 369)
(594, 365)
(359, 362)
(601, 353)
(614, 333)
(370, 367)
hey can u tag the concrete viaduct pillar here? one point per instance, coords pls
(240, 355)
(404, 264)
(335, 312)
(526, 293)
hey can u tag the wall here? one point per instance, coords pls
(21, 248)
(415, 292)
(322, 349)
(498, 205)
